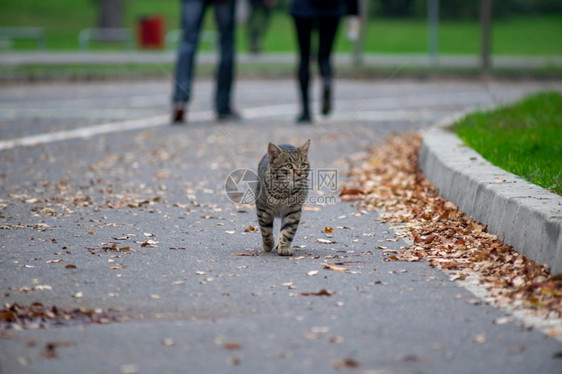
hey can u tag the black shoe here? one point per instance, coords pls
(228, 116)
(304, 119)
(327, 99)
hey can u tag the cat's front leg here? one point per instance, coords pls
(265, 220)
(289, 226)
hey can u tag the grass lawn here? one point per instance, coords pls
(63, 20)
(524, 138)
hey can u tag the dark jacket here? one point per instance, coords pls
(323, 8)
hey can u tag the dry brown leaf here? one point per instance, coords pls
(322, 292)
(232, 345)
(346, 363)
(351, 191)
(389, 180)
(335, 268)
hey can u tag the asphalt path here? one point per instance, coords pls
(94, 176)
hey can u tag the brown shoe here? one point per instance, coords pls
(179, 115)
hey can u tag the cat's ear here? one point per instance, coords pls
(303, 149)
(273, 151)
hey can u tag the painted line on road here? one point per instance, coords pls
(89, 131)
(84, 132)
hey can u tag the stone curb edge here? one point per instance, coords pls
(526, 216)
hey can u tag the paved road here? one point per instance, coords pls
(111, 170)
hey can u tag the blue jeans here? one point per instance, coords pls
(192, 12)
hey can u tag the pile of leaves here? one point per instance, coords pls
(389, 180)
(36, 315)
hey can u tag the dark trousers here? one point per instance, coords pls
(327, 29)
(258, 23)
(192, 12)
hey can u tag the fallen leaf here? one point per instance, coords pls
(417, 238)
(322, 292)
(7, 316)
(351, 191)
(234, 360)
(244, 254)
(325, 241)
(328, 229)
(149, 243)
(444, 236)
(162, 175)
(70, 266)
(480, 338)
(502, 320)
(336, 340)
(117, 267)
(42, 287)
(232, 345)
(335, 268)
(312, 273)
(346, 363)
(250, 229)
(50, 348)
(48, 211)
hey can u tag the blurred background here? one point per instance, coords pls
(524, 28)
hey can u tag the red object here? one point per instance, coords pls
(150, 32)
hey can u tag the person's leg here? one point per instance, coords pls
(327, 29)
(192, 12)
(224, 16)
(253, 26)
(304, 30)
(263, 21)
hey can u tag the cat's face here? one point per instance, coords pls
(289, 167)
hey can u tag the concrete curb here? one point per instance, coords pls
(369, 59)
(526, 216)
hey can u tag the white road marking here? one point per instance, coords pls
(89, 131)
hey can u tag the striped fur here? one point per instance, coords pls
(281, 192)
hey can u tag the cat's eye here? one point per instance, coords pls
(304, 165)
(288, 166)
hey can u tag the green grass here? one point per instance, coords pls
(63, 20)
(524, 138)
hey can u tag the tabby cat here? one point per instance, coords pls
(281, 191)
